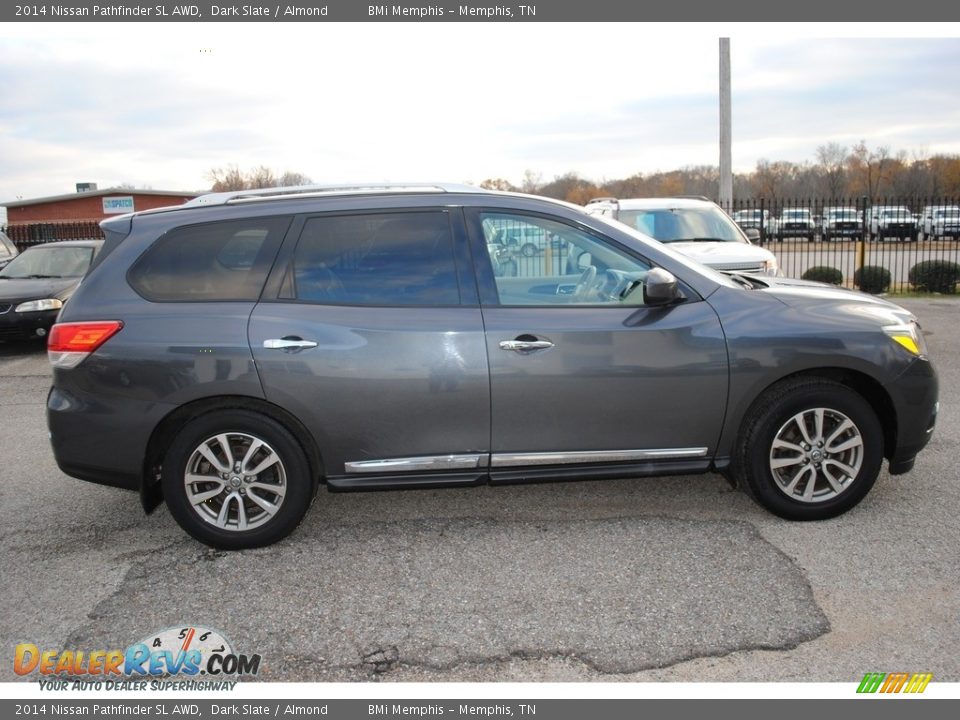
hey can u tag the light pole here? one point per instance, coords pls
(726, 150)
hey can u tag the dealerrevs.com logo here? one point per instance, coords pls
(184, 651)
(910, 683)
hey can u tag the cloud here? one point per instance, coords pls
(348, 102)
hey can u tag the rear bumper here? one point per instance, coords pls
(98, 443)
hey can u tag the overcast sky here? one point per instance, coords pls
(159, 105)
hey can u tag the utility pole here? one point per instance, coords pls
(726, 143)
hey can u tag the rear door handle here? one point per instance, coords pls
(525, 345)
(289, 344)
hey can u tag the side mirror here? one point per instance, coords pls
(753, 235)
(660, 288)
(584, 260)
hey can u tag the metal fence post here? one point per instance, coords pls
(861, 259)
(763, 225)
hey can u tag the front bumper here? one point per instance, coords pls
(898, 230)
(915, 400)
(842, 231)
(24, 326)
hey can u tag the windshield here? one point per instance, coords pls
(796, 214)
(842, 214)
(683, 224)
(40, 262)
(947, 212)
(897, 213)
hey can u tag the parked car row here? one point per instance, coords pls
(882, 222)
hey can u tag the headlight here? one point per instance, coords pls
(909, 337)
(38, 305)
(769, 267)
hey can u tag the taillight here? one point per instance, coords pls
(69, 343)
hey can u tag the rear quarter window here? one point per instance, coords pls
(217, 261)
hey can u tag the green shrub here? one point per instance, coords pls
(823, 273)
(872, 279)
(939, 276)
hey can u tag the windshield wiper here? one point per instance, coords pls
(695, 239)
(736, 277)
(42, 277)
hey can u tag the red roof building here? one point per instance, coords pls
(77, 215)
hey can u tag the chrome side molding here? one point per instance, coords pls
(593, 456)
(418, 464)
(472, 461)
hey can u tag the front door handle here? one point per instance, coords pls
(525, 345)
(289, 344)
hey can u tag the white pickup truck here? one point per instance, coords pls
(892, 222)
(939, 222)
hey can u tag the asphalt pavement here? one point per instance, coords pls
(658, 579)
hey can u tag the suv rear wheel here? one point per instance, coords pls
(235, 479)
(810, 449)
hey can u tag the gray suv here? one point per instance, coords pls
(231, 355)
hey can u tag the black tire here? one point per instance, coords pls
(772, 415)
(291, 472)
(810, 238)
(529, 250)
(826, 237)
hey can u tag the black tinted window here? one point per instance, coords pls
(213, 261)
(377, 259)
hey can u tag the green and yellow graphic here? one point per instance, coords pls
(895, 682)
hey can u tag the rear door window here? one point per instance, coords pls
(382, 259)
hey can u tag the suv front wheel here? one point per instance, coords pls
(810, 449)
(236, 479)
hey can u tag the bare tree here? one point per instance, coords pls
(869, 168)
(832, 165)
(498, 184)
(531, 182)
(292, 179)
(262, 177)
(772, 178)
(228, 178)
(232, 178)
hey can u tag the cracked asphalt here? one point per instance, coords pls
(657, 579)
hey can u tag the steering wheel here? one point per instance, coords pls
(585, 283)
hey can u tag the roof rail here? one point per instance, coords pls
(604, 199)
(299, 191)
